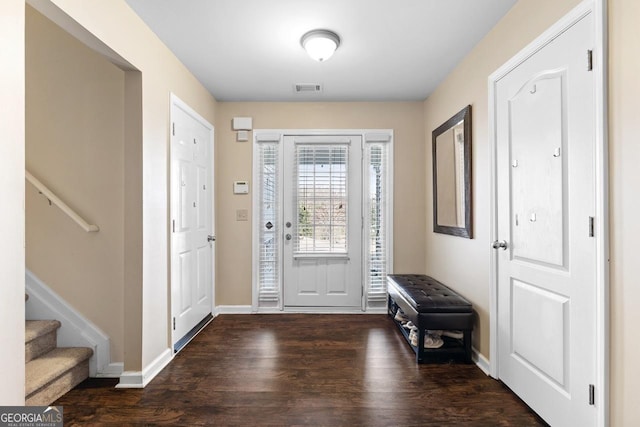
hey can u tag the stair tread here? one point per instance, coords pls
(51, 365)
(38, 328)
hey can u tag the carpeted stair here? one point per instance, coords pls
(51, 371)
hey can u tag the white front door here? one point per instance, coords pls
(546, 252)
(191, 219)
(322, 221)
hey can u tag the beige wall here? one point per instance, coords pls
(114, 25)
(75, 146)
(162, 73)
(12, 197)
(624, 151)
(468, 84)
(234, 162)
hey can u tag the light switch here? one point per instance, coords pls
(242, 215)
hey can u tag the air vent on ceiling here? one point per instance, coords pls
(307, 88)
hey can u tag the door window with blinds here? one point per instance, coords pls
(321, 199)
(321, 194)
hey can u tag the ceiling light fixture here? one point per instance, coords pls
(320, 44)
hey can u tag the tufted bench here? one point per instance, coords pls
(430, 305)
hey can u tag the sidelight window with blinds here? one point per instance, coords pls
(378, 219)
(322, 199)
(268, 180)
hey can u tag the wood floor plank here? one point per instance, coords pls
(301, 370)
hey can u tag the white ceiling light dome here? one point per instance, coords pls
(320, 44)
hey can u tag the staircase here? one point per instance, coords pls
(51, 371)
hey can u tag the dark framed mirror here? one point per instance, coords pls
(452, 176)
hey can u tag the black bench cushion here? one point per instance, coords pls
(427, 295)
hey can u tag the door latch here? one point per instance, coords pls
(500, 244)
(211, 238)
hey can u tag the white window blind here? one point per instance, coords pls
(269, 226)
(377, 222)
(321, 197)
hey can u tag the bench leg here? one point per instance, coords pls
(467, 345)
(420, 352)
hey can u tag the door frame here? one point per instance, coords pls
(176, 102)
(277, 135)
(598, 9)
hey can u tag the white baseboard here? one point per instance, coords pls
(247, 309)
(233, 309)
(140, 379)
(480, 361)
(377, 310)
(266, 310)
(324, 310)
(76, 330)
(131, 379)
(112, 370)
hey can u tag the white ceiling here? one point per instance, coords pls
(249, 50)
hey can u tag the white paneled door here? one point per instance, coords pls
(546, 250)
(191, 219)
(322, 217)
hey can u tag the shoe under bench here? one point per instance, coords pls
(430, 305)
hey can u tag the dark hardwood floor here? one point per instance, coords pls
(305, 370)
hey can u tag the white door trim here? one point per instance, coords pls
(277, 135)
(175, 101)
(598, 9)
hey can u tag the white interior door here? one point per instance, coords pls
(546, 254)
(322, 228)
(191, 220)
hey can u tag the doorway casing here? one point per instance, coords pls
(373, 301)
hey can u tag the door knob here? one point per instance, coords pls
(500, 244)
(288, 236)
(211, 238)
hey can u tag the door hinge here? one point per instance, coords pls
(173, 225)
(590, 60)
(174, 323)
(173, 128)
(592, 226)
(592, 394)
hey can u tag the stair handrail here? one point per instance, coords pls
(44, 190)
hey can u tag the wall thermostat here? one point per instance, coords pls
(240, 187)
